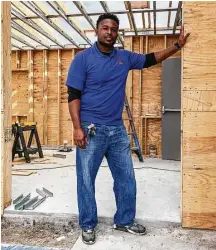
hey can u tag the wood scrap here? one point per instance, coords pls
(23, 172)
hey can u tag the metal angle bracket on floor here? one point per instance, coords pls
(18, 199)
(44, 193)
(37, 203)
(20, 205)
(30, 202)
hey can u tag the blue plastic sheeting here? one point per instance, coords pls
(21, 247)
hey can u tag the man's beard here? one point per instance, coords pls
(107, 45)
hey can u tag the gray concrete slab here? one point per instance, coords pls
(158, 188)
(156, 239)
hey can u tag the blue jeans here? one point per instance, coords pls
(112, 142)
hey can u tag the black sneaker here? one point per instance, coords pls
(88, 236)
(136, 229)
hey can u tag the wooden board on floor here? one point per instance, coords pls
(23, 172)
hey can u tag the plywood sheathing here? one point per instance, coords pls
(50, 70)
(144, 89)
(199, 117)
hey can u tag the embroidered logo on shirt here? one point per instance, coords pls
(119, 61)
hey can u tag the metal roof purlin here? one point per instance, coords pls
(154, 14)
(128, 5)
(19, 28)
(85, 14)
(61, 12)
(149, 17)
(120, 12)
(16, 46)
(107, 10)
(12, 3)
(33, 25)
(19, 39)
(177, 16)
(143, 20)
(38, 12)
(169, 14)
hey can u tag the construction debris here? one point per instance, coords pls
(59, 156)
(65, 147)
(23, 172)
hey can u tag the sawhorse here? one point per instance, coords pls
(19, 145)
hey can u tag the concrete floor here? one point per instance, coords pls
(158, 204)
(158, 187)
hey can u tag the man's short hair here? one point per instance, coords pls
(107, 16)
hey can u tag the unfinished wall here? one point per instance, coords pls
(199, 116)
(39, 91)
(144, 91)
(6, 86)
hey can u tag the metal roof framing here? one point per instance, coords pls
(25, 32)
(19, 15)
(154, 13)
(33, 25)
(61, 12)
(40, 13)
(177, 16)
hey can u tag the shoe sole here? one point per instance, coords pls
(130, 231)
(88, 242)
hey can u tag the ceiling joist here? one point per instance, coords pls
(19, 28)
(52, 35)
(177, 16)
(40, 13)
(154, 16)
(33, 25)
(61, 12)
(131, 16)
(19, 39)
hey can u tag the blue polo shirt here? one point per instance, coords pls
(102, 80)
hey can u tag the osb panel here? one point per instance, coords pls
(136, 81)
(199, 133)
(200, 57)
(154, 134)
(20, 93)
(66, 123)
(199, 100)
(13, 60)
(155, 43)
(151, 91)
(23, 59)
(38, 91)
(52, 105)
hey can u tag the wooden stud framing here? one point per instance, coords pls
(45, 94)
(140, 79)
(6, 107)
(18, 59)
(31, 87)
(138, 96)
(59, 98)
(72, 128)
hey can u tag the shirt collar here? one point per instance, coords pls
(99, 54)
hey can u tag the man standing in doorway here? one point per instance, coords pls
(96, 90)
